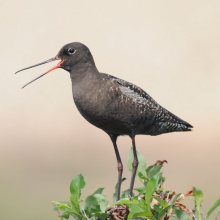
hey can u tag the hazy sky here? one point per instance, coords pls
(169, 48)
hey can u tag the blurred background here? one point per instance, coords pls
(169, 48)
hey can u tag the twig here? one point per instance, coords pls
(192, 214)
(168, 194)
(126, 213)
(202, 212)
(59, 213)
(85, 214)
(217, 214)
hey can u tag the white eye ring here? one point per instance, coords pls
(71, 50)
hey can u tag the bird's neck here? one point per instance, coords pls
(83, 70)
(84, 80)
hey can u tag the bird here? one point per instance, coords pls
(112, 104)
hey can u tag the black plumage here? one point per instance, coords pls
(112, 104)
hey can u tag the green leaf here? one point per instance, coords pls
(153, 171)
(136, 208)
(150, 189)
(102, 201)
(62, 205)
(141, 190)
(99, 191)
(179, 215)
(68, 209)
(125, 194)
(77, 184)
(127, 201)
(142, 176)
(101, 216)
(64, 215)
(136, 205)
(164, 211)
(158, 208)
(144, 215)
(148, 168)
(141, 165)
(91, 206)
(175, 198)
(198, 194)
(163, 203)
(75, 202)
(214, 206)
(95, 203)
(165, 206)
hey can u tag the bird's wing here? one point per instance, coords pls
(130, 89)
(141, 97)
(148, 105)
(137, 94)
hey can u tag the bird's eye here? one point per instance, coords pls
(71, 50)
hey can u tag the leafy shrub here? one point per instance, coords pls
(151, 201)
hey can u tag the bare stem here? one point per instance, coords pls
(217, 214)
(194, 217)
(203, 214)
(85, 214)
(167, 199)
(59, 213)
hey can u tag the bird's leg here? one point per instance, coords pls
(134, 167)
(119, 166)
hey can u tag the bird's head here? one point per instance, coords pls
(70, 55)
(73, 54)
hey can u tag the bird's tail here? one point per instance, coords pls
(182, 123)
(167, 122)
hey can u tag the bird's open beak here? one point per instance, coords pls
(47, 61)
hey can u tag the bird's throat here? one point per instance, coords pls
(79, 72)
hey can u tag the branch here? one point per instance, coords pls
(203, 212)
(217, 214)
(194, 217)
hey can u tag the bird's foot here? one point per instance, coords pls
(119, 212)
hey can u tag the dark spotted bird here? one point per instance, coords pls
(112, 104)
